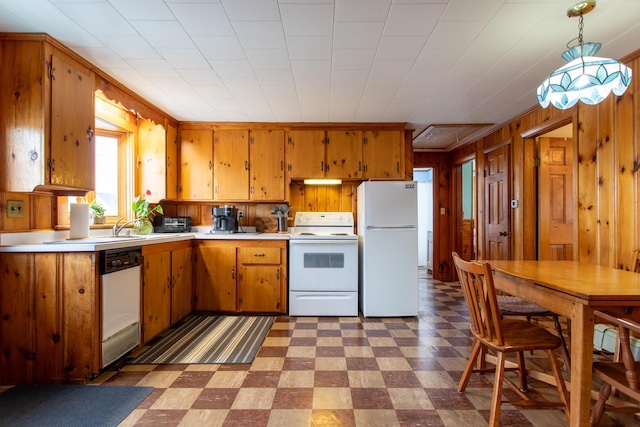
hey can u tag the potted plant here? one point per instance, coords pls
(144, 213)
(97, 212)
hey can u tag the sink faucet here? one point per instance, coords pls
(117, 230)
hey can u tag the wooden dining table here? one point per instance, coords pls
(573, 290)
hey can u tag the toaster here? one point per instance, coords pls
(171, 224)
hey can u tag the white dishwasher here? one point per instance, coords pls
(120, 278)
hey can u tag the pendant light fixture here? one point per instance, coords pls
(587, 78)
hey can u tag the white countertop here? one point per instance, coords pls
(58, 241)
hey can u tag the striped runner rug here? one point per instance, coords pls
(208, 340)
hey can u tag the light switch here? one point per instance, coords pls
(15, 209)
(514, 203)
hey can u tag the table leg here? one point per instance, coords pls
(581, 364)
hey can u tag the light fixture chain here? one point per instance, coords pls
(580, 28)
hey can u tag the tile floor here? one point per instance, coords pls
(341, 372)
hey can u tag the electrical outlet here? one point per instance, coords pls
(240, 214)
(15, 209)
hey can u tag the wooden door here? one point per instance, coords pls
(344, 154)
(305, 154)
(156, 292)
(231, 165)
(555, 199)
(151, 164)
(216, 277)
(382, 154)
(72, 124)
(266, 168)
(181, 283)
(498, 236)
(196, 158)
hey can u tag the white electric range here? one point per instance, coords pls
(323, 265)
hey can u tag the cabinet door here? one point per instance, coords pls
(79, 316)
(216, 277)
(231, 165)
(344, 154)
(259, 288)
(382, 154)
(17, 320)
(181, 283)
(196, 151)
(172, 163)
(156, 292)
(305, 154)
(72, 122)
(266, 169)
(151, 164)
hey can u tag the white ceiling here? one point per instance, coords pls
(424, 62)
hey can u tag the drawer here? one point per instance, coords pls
(259, 255)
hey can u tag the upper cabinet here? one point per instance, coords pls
(196, 163)
(382, 154)
(266, 171)
(47, 120)
(345, 154)
(231, 164)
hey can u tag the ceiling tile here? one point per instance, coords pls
(309, 48)
(252, 10)
(197, 77)
(203, 19)
(362, 10)
(400, 48)
(153, 67)
(147, 10)
(311, 69)
(130, 47)
(163, 33)
(353, 59)
(307, 19)
(268, 59)
(260, 35)
(230, 69)
(412, 19)
(183, 58)
(357, 35)
(110, 22)
(219, 47)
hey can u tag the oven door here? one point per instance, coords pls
(323, 265)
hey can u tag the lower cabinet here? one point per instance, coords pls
(241, 276)
(49, 318)
(167, 286)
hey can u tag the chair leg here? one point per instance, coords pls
(496, 398)
(562, 387)
(598, 408)
(468, 370)
(522, 372)
(564, 350)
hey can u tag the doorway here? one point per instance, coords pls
(424, 178)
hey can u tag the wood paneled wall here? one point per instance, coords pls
(607, 182)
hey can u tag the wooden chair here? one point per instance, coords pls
(622, 375)
(514, 306)
(635, 261)
(503, 336)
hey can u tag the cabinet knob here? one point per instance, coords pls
(233, 272)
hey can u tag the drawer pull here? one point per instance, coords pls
(258, 254)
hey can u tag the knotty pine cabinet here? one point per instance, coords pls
(382, 154)
(196, 164)
(231, 165)
(167, 286)
(241, 276)
(345, 154)
(49, 318)
(47, 120)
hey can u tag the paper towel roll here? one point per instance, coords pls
(79, 221)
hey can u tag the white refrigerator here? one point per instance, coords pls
(388, 248)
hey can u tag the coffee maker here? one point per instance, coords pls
(225, 219)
